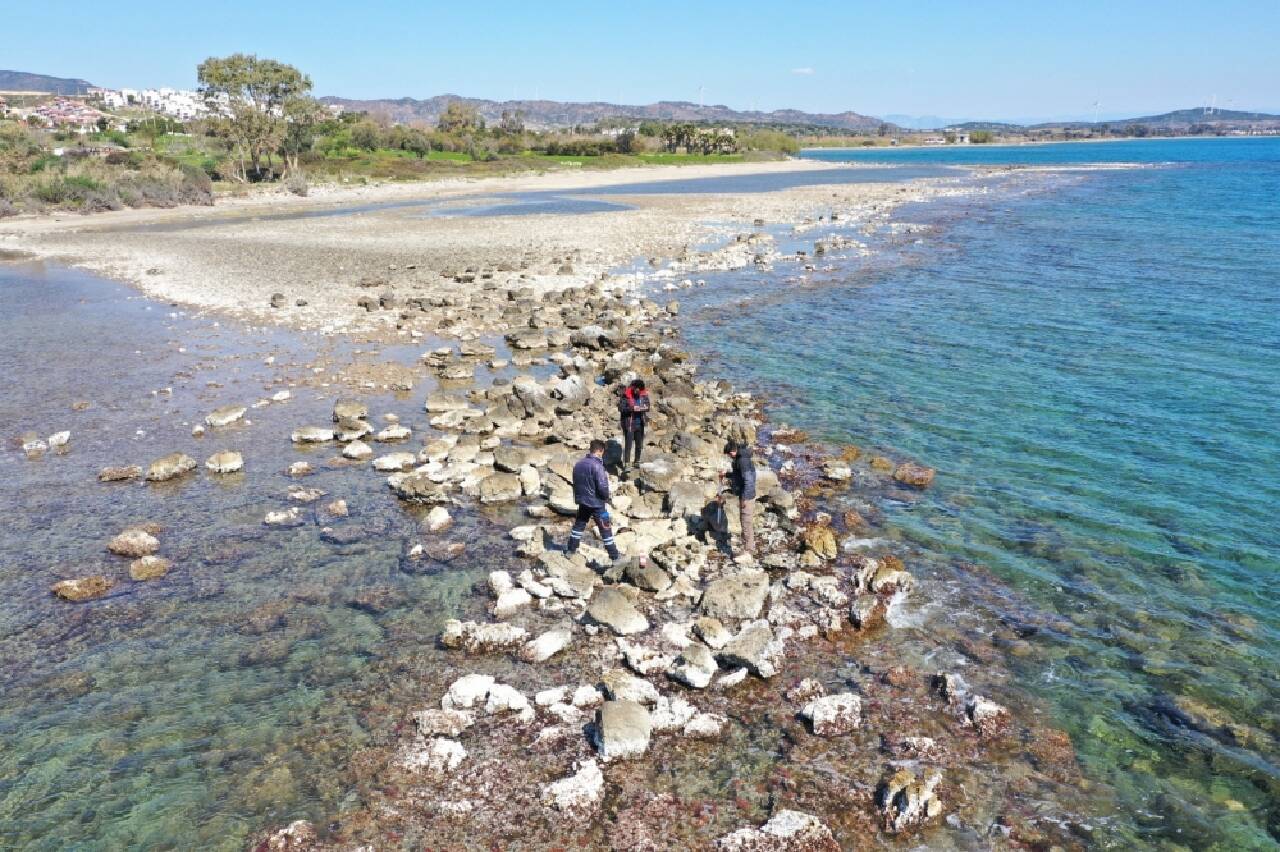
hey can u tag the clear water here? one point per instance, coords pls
(190, 711)
(1094, 369)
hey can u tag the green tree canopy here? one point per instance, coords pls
(250, 96)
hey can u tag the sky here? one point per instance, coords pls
(982, 59)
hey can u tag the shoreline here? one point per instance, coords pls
(415, 756)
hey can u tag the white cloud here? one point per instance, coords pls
(802, 71)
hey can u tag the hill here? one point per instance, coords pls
(21, 81)
(544, 113)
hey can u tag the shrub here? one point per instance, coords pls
(296, 183)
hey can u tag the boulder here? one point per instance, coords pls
(686, 499)
(170, 467)
(754, 648)
(695, 666)
(82, 589)
(311, 435)
(821, 539)
(357, 451)
(225, 462)
(705, 726)
(394, 432)
(546, 645)
(622, 730)
(620, 685)
(467, 692)
(906, 800)
(611, 608)
(394, 462)
(833, 715)
(474, 637)
(419, 487)
(437, 519)
(500, 488)
(740, 595)
(643, 574)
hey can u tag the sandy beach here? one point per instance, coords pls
(235, 256)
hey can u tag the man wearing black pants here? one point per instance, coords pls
(591, 493)
(634, 408)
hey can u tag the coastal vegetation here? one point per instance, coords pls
(264, 127)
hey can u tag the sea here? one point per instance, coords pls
(1086, 346)
(1089, 355)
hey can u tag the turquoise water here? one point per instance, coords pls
(1093, 365)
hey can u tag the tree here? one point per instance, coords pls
(366, 135)
(628, 142)
(458, 118)
(250, 95)
(303, 116)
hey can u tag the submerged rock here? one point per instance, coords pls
(447, 723)
(577, 794)
(438, 756)
(134, 543)
(120, 474)
(916, 475)
(170, 467)
(225, 462)
(225, 416)
(786, 831)
(149, 568)
(83, 589)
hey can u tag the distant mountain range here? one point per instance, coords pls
(542, 113)
(1180, 119)
(20, 81)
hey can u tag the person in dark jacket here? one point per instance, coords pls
(634, 406)
(742, 484)
(591, 493)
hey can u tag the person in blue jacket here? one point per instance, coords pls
(591, 493)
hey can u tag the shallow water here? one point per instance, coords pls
(1093, 370)
(190, 711)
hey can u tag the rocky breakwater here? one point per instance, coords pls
(589, 673)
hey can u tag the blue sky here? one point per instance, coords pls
(1001, 60)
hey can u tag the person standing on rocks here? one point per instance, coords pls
(742, 484)
(591, 493)
(633, 405)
